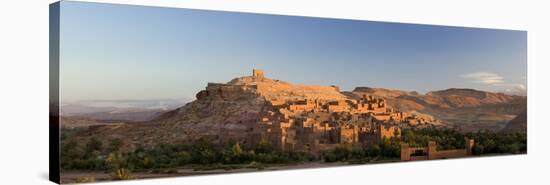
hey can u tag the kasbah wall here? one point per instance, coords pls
(432, 152)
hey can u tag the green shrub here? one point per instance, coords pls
(372, 150)
(263, 146)
(329, 157)
(85, 179)
(114, 145)
(478, 149)
(342, 153)
(122, 174)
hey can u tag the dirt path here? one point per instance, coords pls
(71, 176)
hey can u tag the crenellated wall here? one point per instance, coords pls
(432, 152)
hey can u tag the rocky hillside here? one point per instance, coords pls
(221, 110)
(233, 106)
(518, 124)
(467, 109)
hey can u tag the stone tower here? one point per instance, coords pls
(258, 73)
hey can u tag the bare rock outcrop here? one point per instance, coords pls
(518, 124)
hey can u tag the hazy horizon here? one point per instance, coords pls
(124, 52)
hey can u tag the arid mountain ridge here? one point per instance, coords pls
(468, 109)
(449, 98)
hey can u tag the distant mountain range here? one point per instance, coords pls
(467, 109)
(119, 110)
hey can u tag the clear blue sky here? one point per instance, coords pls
(135, 52)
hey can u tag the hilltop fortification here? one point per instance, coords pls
(291, 117)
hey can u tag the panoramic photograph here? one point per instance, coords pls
(150, 92)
